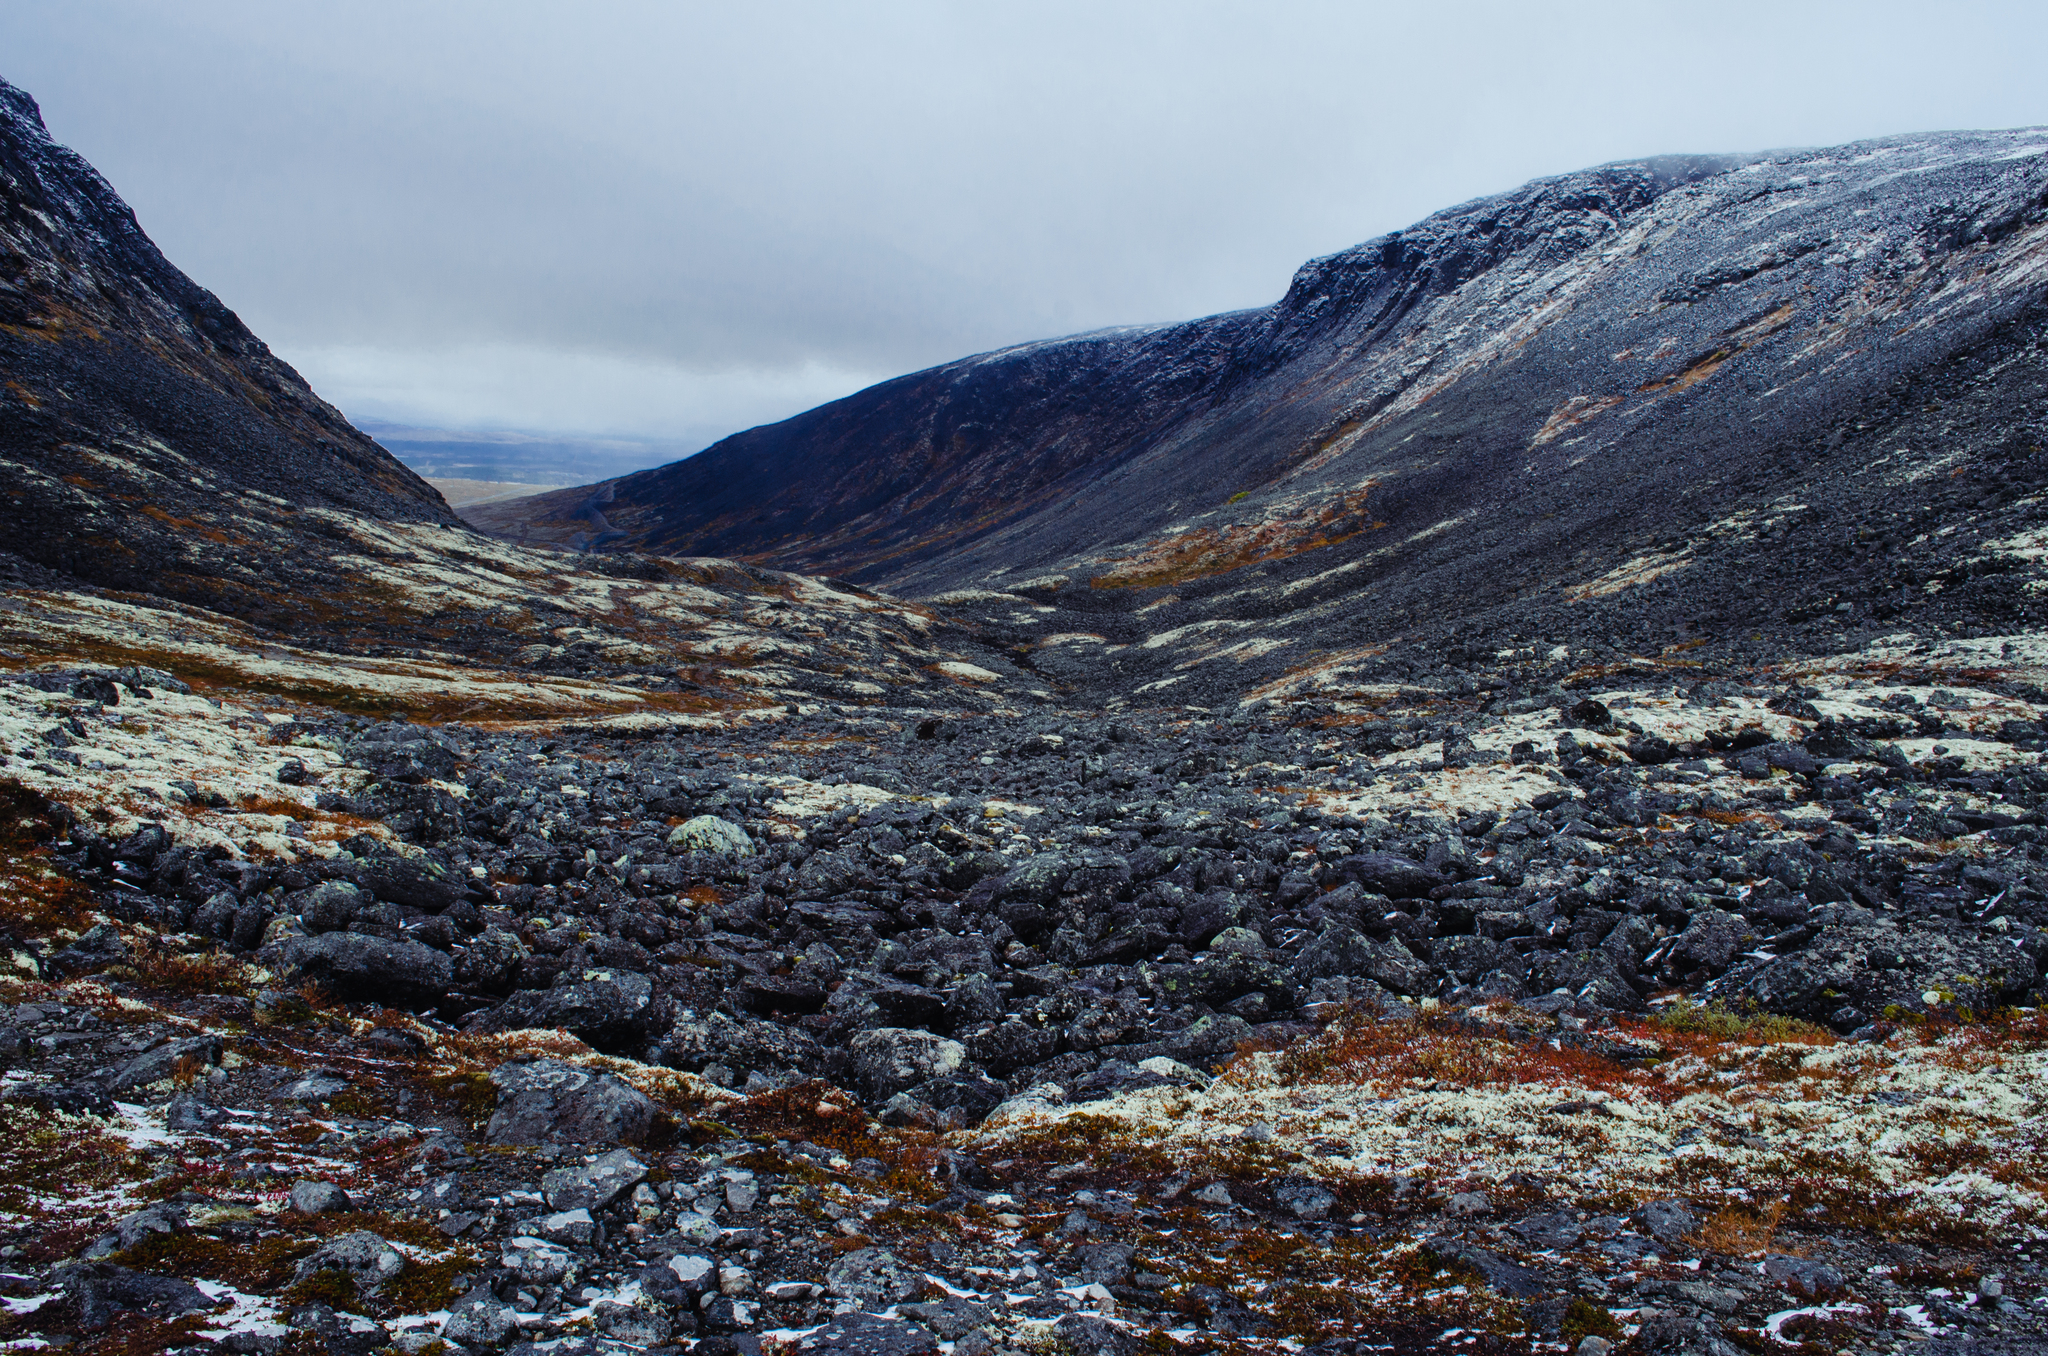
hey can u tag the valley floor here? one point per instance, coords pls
(1653, 1008)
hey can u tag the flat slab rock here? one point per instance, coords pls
(868, 1335)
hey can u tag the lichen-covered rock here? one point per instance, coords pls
(480, 1319)
(709, 833)
(889, 1060)
(367, 1259)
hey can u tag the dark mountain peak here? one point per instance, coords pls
(149, 440)
(1562, 216)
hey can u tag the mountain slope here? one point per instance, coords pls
(177, 497)
(1490, 420)
(148, 440)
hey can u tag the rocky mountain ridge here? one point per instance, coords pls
(1585, 409)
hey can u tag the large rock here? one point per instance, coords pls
(1596, 977)
(607, 1009)
(329, 906)
(709, 833)
(1088, 1335)
(367, 1259)
(890, 1059)
(101, 1291)
(402, 759)
(1392, 966)
(548, 1102)
(1863, 965)
(1390, 875)
(1337, 950)
(1201, 1044)
(421, 882)
(135, 1227)
(190, 1054)
(861, 1334)
(353, 965)
(1710, 942)
(480, 1319)
(827, 875)
(695, 1042)
(339, 1334)
(490, 961)
(1664, 1220)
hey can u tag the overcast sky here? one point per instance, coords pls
(674, 220)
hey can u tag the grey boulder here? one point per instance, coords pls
(709, 833)
(165, 1061)
(874, 1278)
(545, 1101)
(1665, 1221)
(363, 1256)
(100, 1290)
(605, 1008)
(318, 1198)
(593, 1185)
(480, 1319)
(1384, 873)
(891, 1059)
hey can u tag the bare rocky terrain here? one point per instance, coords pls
(418, 940)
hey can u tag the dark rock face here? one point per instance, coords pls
(103, 1292)
(861, 1334)
(608, 1009)
(108, 347)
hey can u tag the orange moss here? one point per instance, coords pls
(1207, 551)
(1740, 1230)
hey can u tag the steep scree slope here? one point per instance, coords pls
(1613, 404)
(148, 440)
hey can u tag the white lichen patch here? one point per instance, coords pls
(1939, 1132)
(1640, 570)
(141, 759)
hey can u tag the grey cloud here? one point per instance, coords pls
(767, 190)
